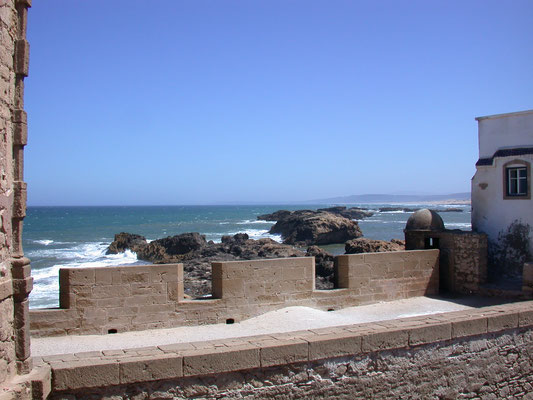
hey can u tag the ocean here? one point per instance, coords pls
(56, 237)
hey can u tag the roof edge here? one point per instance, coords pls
(511, 114)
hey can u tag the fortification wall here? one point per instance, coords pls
(15, 280)
(477, 353)
(463, 257)
(117, 299)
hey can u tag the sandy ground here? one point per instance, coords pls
(284, 320)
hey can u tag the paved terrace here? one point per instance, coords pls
(286, 320)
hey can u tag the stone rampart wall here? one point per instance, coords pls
(463, 257)
(474, 353)
(116, 299)
(15, 280)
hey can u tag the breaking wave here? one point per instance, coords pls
(46, 280)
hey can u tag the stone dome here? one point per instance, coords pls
(425, 220)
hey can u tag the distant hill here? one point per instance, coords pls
(395, 198)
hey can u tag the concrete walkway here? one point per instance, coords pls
(284, 320)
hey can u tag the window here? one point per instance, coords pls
(517, 180)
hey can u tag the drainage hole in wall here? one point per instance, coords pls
(331, 309)
(111, 331)
(230, 321)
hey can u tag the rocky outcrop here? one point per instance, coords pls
(304, 228)
(172, 248)
(197, 254)
(364, 245)
(275, 216)
(124, 241)
(350, 213)
(324, 267)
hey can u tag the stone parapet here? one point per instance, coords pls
(117, 299)
(78, 373)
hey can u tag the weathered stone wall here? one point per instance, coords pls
(389, 276)
(467, 257)
(118, 299)
(15, 280)
(479, 353)
(463, 257)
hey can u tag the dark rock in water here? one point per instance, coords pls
(364, 245)
(124, 241)
(275, 216)
(303, 228)
(351, 213)
(170, 249)
(324, 261)
(449, 210)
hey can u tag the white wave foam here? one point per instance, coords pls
(87, 255)
(44, 242)
(250, 221)
(466, 225)
(258, 234)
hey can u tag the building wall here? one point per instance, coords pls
(504, 131)
(117, 299)
(491, 212)
(15, 280)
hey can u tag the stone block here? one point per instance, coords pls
(110, 291)
(175, 291)
(150, 368)
(334, 345)
(502, 321)
(469, 326)
(232, 288)
(281, 352)
(77, 276)
(294, 273)
(176, 348)
(22, 343)
(221, 359)
(22, 314)
(22, 288)
(41, 382)
(20, 116)
(21, 272)
(6, 289)
(20, 134)
(22, 57)
(430, 333)
(84, 374)
(385, 339)
(104, 276)
(135, 276)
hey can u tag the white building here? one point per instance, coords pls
(501, 186)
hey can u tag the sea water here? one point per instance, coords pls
(56, 237)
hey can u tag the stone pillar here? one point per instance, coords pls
(20, 266)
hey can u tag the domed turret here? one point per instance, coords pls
(425, 220)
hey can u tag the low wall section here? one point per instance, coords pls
(477, 353)
(116, 299)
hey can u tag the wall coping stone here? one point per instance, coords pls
(120, 367)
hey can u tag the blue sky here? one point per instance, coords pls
(206, 102)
